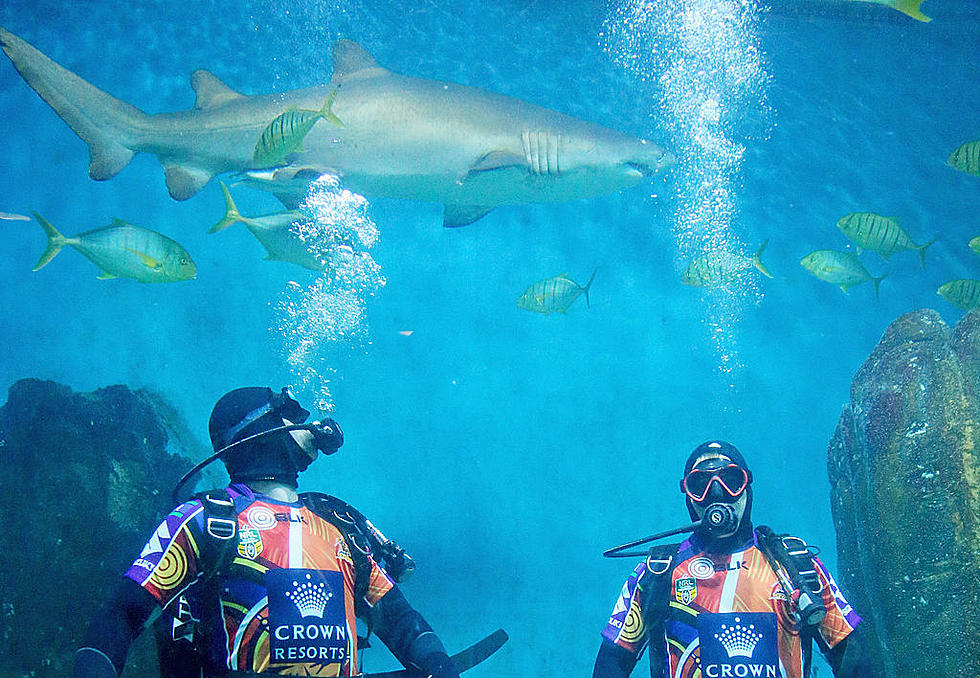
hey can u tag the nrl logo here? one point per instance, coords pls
(249, 543)
(686, 590)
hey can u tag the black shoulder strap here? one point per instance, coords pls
(221, 524)
(182, 645)
(339, 514)
(791, 559)
(654, 587)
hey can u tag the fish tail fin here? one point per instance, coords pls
(911, 8)
(102, 121)
(877, 281)
(922, 251)
(232, 215)
(585, 290)
(327, 111)
(757, 259)
(55, 242)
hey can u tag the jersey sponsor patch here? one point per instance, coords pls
(738, 644)
(307, 619)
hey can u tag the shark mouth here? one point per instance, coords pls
(663, 162)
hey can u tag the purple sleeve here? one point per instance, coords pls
(625, 627)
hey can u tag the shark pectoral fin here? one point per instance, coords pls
(147, 260)
(461, 215)
(351, 61)
(184, 182)
(210, 90)
(498, 160)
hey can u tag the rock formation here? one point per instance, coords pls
(904, 467)
(86, 478)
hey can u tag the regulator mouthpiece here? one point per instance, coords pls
(720, 518)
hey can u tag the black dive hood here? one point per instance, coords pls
(720, 516)
(327, 437)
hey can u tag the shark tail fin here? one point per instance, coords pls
(232, 215)
(911, 8)
(99, 119)
(55, 242)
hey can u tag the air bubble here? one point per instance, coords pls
(706, 58)
(319, 322)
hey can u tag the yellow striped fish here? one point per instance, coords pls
(284, 135)
(843, 269)
(879, 234)
(281, 240)
(554, 295)
(721, 267)
(122, 250)
(975, 244)
(966, 158)
(906, 7)
(963, 293)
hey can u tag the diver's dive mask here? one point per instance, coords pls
(733, 479)
(282, 404)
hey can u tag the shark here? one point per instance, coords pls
(467, 148)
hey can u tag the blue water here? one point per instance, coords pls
(505, 449)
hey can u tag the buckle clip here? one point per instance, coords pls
(663, 563)
(221, 528)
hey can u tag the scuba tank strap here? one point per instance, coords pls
(791, 559)
(221, 524)
(182, 638)
(654, 585)
(220, 514)
(337, 513)
(343, 517)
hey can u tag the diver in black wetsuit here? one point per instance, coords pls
(722, 601)
(255, 577)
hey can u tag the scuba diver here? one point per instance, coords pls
(256, 578)
(732, 599)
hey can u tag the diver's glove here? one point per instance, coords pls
(439, 665)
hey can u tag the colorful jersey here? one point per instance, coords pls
(286, 600)
(728, 616)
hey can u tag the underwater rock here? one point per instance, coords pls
(87, 477)
(905, 492)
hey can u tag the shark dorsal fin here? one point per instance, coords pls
(350, 60)
(210, 90)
